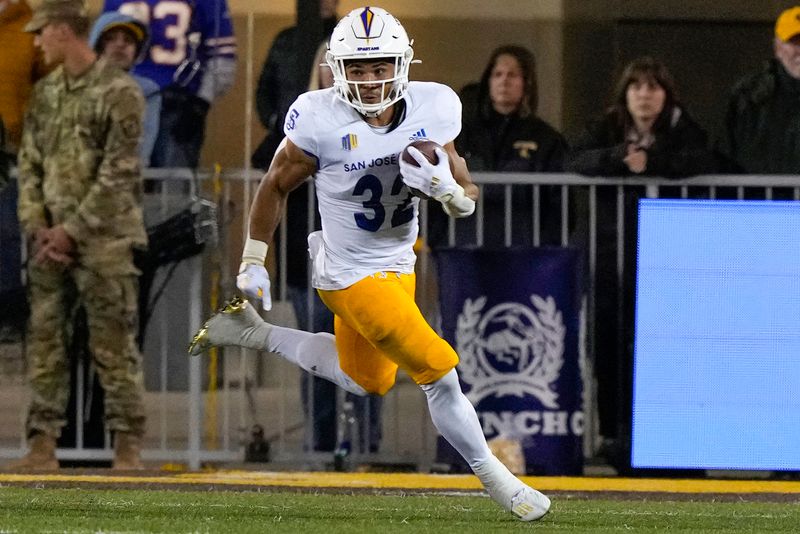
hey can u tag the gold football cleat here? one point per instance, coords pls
(200, 342)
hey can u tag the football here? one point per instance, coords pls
(426, 147)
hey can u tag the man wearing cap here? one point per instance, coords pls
(81, 214)
(123, 41)
(762, 126)
(192, 58)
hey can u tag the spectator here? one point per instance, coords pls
(644, 132)
(20, 67)
(18, 70)
(123, 41)
(762, 124)
(321, 73)
(502, 133)
(192, 58)
(285, 76)
(80, 211)
(12, 318)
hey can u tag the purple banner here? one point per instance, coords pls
(514, 317)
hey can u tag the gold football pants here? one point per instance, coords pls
(379, 328)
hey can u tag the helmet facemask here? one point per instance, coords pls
(347, 90)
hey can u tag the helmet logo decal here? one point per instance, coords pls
(367, 16)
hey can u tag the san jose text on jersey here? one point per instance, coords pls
(369, 216)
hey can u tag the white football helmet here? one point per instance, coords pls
(369, 33)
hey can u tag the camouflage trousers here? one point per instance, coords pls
(110, 303)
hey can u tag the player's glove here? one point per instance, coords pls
(253, 278)
(437, 181)
(434, 180)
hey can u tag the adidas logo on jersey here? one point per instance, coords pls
(419, 135)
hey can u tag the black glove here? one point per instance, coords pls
(192, 118)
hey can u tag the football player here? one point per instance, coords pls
(349, 138)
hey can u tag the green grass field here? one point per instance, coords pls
(25, 509)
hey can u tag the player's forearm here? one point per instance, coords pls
(266, 211)
(289, 168)
(464, 179)
(471, 190)
(461, 202)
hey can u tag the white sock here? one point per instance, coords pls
(456, 420)
(316, 353)
(510, 492)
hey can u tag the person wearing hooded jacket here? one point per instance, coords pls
(646, 132)
(123, 41)
(284, 76)
(502, 133)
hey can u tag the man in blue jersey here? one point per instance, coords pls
(192, 57)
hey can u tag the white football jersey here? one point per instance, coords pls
(369, 216)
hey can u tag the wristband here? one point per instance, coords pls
(255, 251)
(457, 204)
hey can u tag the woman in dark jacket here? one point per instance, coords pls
(501, 133)
(645, 132)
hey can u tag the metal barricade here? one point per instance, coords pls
(205, 410)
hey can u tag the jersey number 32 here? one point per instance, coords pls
(371, 222)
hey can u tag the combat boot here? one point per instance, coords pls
(127, 452)
(41, 457)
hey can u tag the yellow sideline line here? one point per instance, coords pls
(418, 482)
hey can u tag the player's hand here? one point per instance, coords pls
(434, 180)
(253, 281)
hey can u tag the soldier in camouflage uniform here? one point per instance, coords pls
(80, 210)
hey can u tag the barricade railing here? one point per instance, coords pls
(205, 410)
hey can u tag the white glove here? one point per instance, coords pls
(434, 180)
(253, 279)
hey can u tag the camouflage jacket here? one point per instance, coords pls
(79, 164)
